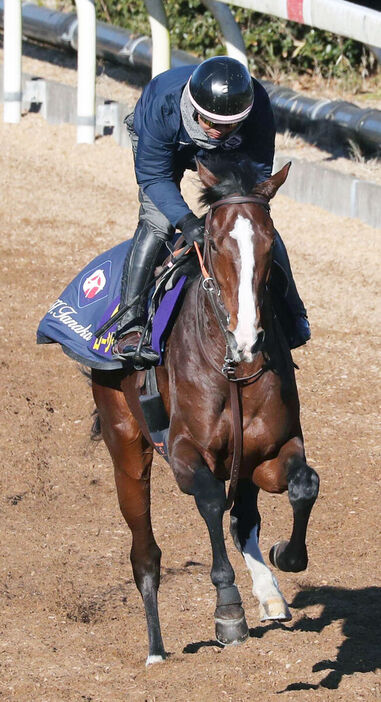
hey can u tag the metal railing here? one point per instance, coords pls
(12, 61)
(82, 32)
(337, 16)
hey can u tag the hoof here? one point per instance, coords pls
(274, 553)
(231, 631)
(154, 659)
(283, 561)
(276, 609)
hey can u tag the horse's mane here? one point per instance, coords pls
(235, 176)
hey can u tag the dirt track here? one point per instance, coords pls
(72, 625)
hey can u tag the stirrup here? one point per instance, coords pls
(135, 350)
(145, 356)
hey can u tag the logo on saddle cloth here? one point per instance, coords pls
(94, 285)
(102, 345)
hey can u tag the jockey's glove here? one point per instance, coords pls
(192, 228)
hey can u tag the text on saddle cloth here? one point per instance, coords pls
(92, 298)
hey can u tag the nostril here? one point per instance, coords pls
(232, 341)
(259, 342)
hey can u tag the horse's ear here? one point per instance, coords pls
(269, 187)
(207, 178)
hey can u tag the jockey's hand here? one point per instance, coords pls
(192, 229)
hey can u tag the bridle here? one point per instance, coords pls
(209, 284)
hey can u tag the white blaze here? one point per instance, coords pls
(245, 332)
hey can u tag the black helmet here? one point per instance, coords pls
(221, 89)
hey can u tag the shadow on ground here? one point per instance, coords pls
(360, 612)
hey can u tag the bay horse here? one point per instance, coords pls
(227, 332)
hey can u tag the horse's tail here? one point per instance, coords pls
(96, 431)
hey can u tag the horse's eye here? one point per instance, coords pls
(213, 245)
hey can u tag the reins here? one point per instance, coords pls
(209, 283)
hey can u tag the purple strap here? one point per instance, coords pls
(164, 314)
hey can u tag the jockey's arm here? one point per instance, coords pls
(155, 168)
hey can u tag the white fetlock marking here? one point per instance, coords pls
(154, 659)
(265, 585)
(274, 608)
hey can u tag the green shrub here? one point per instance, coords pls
(272, 44)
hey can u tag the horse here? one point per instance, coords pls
(229, 390)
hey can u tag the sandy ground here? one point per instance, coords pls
(71, 621)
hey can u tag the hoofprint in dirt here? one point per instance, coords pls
(72, 623)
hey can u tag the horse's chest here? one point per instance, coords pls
(263, 437)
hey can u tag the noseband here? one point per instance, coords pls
(210, 285)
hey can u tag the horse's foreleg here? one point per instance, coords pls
(229, 615)
(195, 478)
(303, 488)
(245, 524)
(132, 458)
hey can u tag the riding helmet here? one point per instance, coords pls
(221, 89)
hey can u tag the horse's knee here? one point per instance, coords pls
(209, 492)
(303, 483)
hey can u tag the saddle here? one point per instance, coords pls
(166, 300)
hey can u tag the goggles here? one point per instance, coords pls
(217, 125)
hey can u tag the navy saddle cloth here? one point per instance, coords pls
(90, 300)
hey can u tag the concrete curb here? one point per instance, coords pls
(308, 182)
(337, 192)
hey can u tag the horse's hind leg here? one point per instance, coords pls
(303, 488)
(132, 458)
(245, 524)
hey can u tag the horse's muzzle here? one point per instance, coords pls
(258, 345)
(245, 353)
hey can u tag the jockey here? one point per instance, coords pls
(183, 114)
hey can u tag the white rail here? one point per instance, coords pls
(235, 45)
(337, 16)
(86, 71)
(12, 61)
(161, 46)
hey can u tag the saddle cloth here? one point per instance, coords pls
(91, 299)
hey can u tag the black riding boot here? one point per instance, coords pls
(138, 270)
(288, 305)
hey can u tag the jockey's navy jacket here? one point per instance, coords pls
(165, 149)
